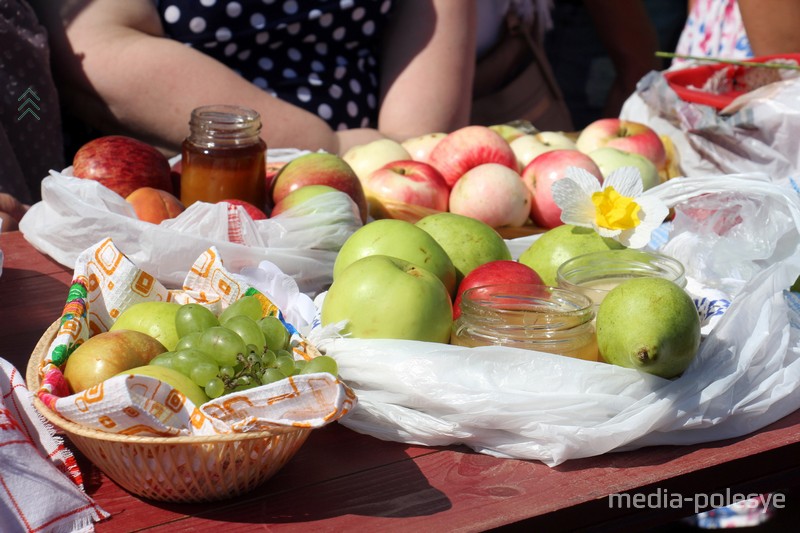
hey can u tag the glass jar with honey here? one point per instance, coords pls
(529, 316)
(223, 157)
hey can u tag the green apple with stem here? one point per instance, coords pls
(383, 297)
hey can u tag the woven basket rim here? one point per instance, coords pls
(32, 381)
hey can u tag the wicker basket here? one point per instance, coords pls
(175, 469)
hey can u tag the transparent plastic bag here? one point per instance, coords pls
(524, 404)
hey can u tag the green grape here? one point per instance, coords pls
(286, 365)
(186, 360)
(268, 359)
(300, 364)
(166, 359)
(214, 388)
(275, 333)
(249, 330)
(190, 340)
(271, 375)
(226, 372)
(203, 372)
(194, 317)
(246, 305)
(284, 353)
(243, 380)
(223, 344)
(321, 363)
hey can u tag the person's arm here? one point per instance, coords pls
(631, 41)
(771, 25)
(11, 212)
(119, 71)
(427, 67)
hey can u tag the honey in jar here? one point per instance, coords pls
(223, 157)
(533, 317)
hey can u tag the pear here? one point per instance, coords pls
(650, 324)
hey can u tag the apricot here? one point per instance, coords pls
(154, 205)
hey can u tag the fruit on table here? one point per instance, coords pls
(154, 318)
(499, 272)
(626, 135)
(609, 159)
(365, 158)
(107, 354)
(123, 164)
(561, 243)
(492, 193)
(468, 241)
(530, 145)
(254, 212)
(544, 170)
(406, 181)
(320, 168)
(664, 336)
(420, 147)
(154, 205)
(384, 297)
(468, 147)
(400, 239)
(173, 378)
(299, 196)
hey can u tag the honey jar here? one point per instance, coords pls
(223, 157)
(529, 316)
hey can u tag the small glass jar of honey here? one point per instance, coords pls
(223, 157)
(533, 317)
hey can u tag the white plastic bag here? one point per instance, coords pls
(303, 242)
(531, 405)
(757, 132)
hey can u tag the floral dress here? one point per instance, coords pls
(713, 29)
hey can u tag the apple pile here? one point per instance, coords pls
(500, 174)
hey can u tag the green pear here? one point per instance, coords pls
(557, 245)
(650, 324)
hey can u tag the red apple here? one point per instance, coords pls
(303, 194)
(624, 135)
(320, 168)
(493, 194)
(254, 212)
(539, 176)
(123, 164)
(409, 182)
(498, 272)
(468, 147)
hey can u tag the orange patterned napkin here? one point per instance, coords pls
(105, 284)
(35, 463)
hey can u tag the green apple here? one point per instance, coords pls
(507, 131)
(561, 243)
(155, 318)
(383, 297)
(468, 241)
(609, 159)
(174, 379)
(400, 239)
(107, 354)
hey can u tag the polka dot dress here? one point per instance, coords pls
(320, 55)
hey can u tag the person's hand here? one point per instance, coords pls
(11, 212)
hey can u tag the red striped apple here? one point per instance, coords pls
(493, 194)
(410, 182)
(469, 147)
(542, 172)
(123, 164)
(626, 135)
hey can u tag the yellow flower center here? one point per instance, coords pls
(614, 211)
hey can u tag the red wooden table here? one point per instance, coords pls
(341, 480)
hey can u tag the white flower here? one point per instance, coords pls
(615, 209)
